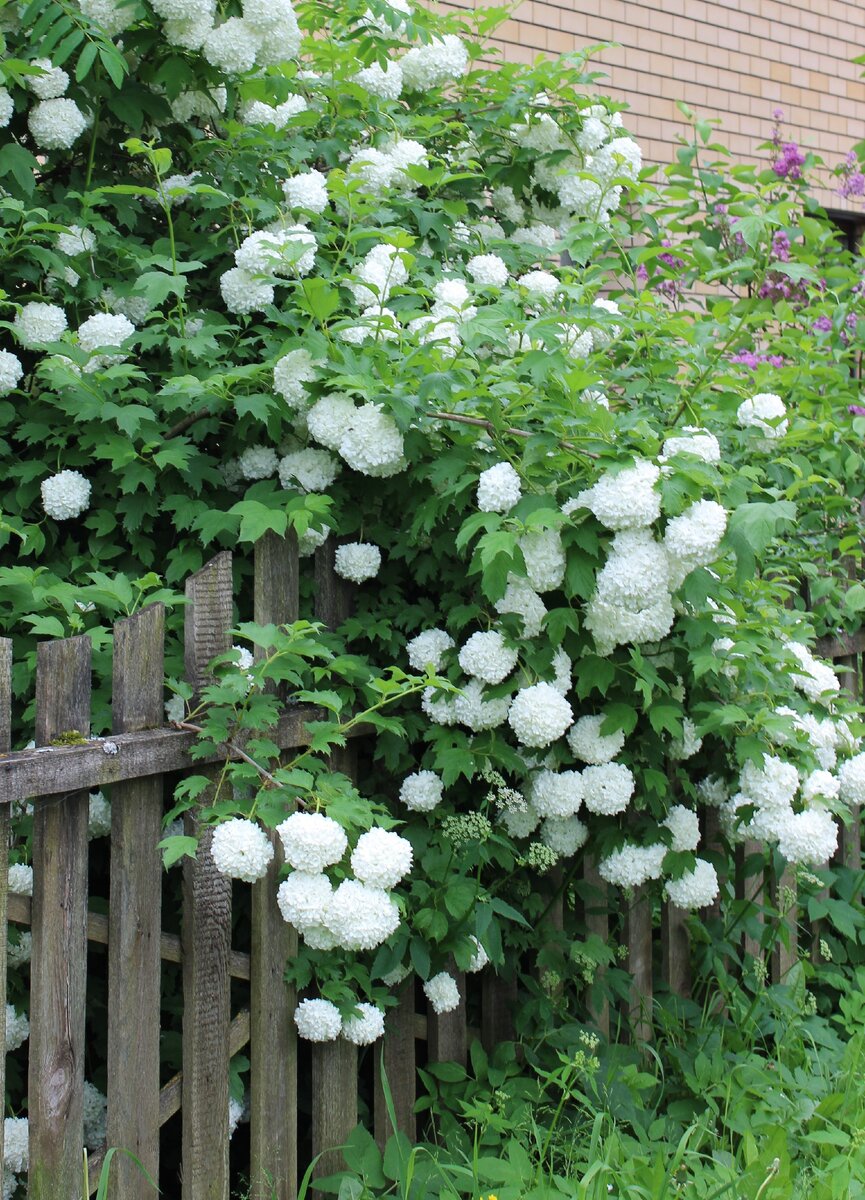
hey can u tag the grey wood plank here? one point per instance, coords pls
(675, 950)
(447, 1033)
(400, 1070)
(498, 1006)
(5, 743)
(596, 920)
(638, 939)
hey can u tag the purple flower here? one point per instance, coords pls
(822, 325)
(856, 409)
(781, 246)
(748, 358)
(789, 163)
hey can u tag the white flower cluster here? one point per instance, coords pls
(37, 323)
(382, 269)
(21, 879)
(499, 488)
(56, 124)
(442, 992)
(428, 649)
(241, 849)
(488, 657)
(320, 1021)
(307, 190)
(632, 865)
(10, 372)
(422, 791)
(357, 561)
(589, 745)
(65, 495)
(817, 681)
(539, 715)
(290, 374)
(16, 1143)
(17, 1029)
(378, 170)
(366, 437)
(767, 413)
(95, 1106)
(695, 888)
(98, 816)
(312, 470)
(438, 62)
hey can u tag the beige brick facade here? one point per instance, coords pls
(736, 59)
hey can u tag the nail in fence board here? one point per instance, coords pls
(5, 744)
(638, 938)
(398, 1051)
(135, 915)
(334, 1064)
(273, 1037)
(206, 933)
(58, 965)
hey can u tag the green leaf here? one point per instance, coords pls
(20, 164)
(256, 519)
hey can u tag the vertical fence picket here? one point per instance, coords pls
(135, 914)
(58, 964)
(334, 1064)
(675, 950)
(206, 933)
(447, 1033)
(638, 939)
(498, 1005)
(850, 841)
(398, 1053)
(273, 1038)
(785, 953)
(5, 745)
(596, 920)
(751, 887)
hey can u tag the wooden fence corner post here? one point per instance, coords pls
(5, 824)
(638, 938)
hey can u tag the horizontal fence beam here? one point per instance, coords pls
(56, 770)
(841, 645)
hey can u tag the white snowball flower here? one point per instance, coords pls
(607, 788)
(304, 898)
(774, 784)
(539, 715)
(817, 679)
(619, 159)
(386, 81)
(18, 953)
(361, 917)
(557, 793)
(307, 190)
(631, 866)
(243, 293)
(474, 709)
(330, 419)
(698, 442)
(318, 1021)
(383, 268)
(442, 992)
(381, 858)
(809, 837)
(852, 779)
(7, 107)
(104, 329)
(627, 500)
(487, 656)
(309, 542)
(10, 372)
(36, 323)
(589, 745)
(204, 104)
(428, 648)
(21, 879)
(421, 791)
(564, 835)
(366, 1028)
(265, 15)
(372, 444)
(52, 83)
(313, 470)
(693, 539)
(541, 285)
(544, 557)
(65, 495)
(765, 412)
(319, 937)
(188, 34)
(488, 270)
(498, 488)
(291, 372)
(433, 64)
(95, 1106)
(820, 785)
(17, 1029)
(231, 47)
(312, 841)
(241, 849)
(479, 959)
(695, 889)
(562, 669)
(521, 599)
(258, 462)
(56, 124)
(684, 826)
(16, 1143)
(520, 822)
(441, 710)
(689, 744)
(357, 561)
(98, 816)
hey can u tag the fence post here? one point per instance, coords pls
(135, 914)
(850, 841)
(58, 965)
(398, 1052)
(498, 1006)
(334, 1064)
(206, 927)
(447, 1036)
(675, 950)
(638, 938)
(5, 818)
(597, 922)
(273, 1037)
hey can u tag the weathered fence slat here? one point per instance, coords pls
(498, 1005)
(398, 1053)
(850, 841)
(784, 956)
(58, 965)
(5, 744)
(206, 928)
(334, 1064)
(596, 921)
(273, 1040)
(447, 1033)
(638, 938)
(750, 887)
(135, 914)
(675, 950)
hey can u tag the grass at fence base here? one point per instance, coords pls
(105, 1172)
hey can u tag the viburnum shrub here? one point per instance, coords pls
(578, 437)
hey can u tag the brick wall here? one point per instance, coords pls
(735, 59)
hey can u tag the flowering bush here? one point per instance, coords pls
(577, 434)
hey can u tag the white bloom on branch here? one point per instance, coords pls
(698, 442)
(428, 648)
(695, 889)
(385, 82)
(851, 777)
(241, 849)
(479, 959)
(520, 822)
(231, 47)
(539, 715)
(439, 61)
(312, 841)
(361, 917)
(258, 462)
(626, 500)
(52, 83)
(557, 793)
(541, 285)
(631, 866)
(544, 557)
(442, 992)
(330, 418)
(607, 788)
(21, 879)
(381, 858)
(98, 816)
(421, 791)
(318, 1020)
(36, 323)
(7, 107)
(204, 104)
(10, 372)
(313, 470)
(688, 745)
(765, 412)
(243, 293)
(564, 835)
(809, 837)
(291, 372)
(95, 1106)
(65, 495)
(773, 784)
(693, 539)
(16, 1143)
(488, 270)
(619, 159)
(441, 709)
(382, 269)
(521, 599)
(17, 1029)
(56, 124)
(357, 561)
(372, 444)
(817, 679)
(104, 329)
(307, 191)
(474, 709)
(189, 33)
(488, 657)
(366, 1028)
(498, 488)
(820, 785)
(18, 953)
(684, 826)
(589, 745)
(303, 899)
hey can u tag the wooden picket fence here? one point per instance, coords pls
(134, 761)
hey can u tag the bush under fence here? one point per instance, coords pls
(135, 761)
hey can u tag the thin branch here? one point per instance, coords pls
(233, 748)
(480, 423)
(182, 426)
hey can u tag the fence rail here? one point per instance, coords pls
(134, 761)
